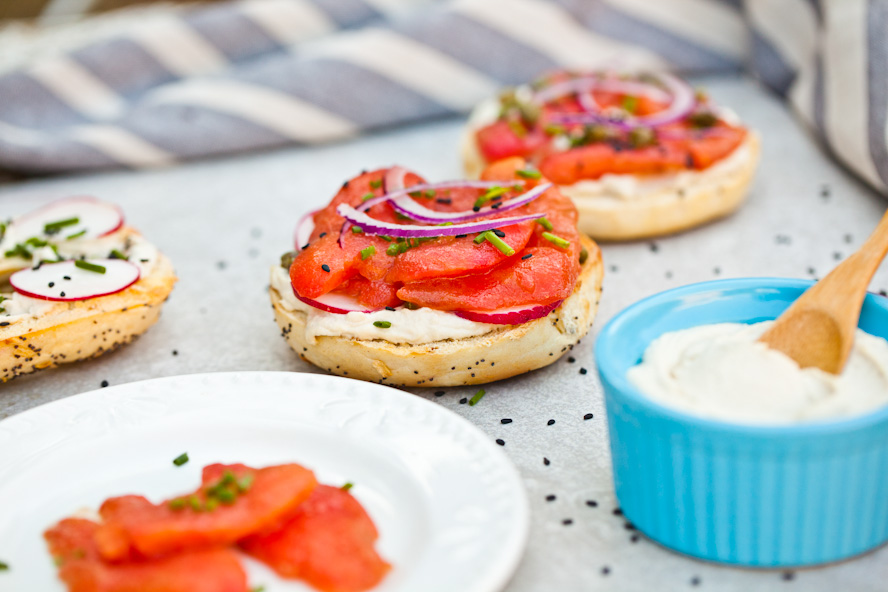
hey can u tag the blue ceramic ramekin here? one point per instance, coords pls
(764, 496)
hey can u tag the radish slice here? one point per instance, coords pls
(66, 282)
(372, 226)
(406, 206)
(510, 316)
(304, 228)
(335, 303)
(94, 219)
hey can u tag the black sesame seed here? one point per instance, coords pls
(629, 526)
(788, 576)
(175, 352)
(583, 370)
(571, 359)
(528, 256)
(499, 232)
(463, 401)
(325, 267)
(546, 461)
(550, 422)
(618, 512)
(505, 420)
(51, 284)
(439, 393)
(444, 200)
(605, 570)
(567, 522)
(634, 538)
(500, 442)
(221, 265)
(62, 294)
(654, 247)
(322, 235)
(695, 581)
(461, 236)
(389, 308)
(66, 277)
(592, 503)
(550, 498)
(588, 416)
(476, 209)
(104, 383)
(4, 324)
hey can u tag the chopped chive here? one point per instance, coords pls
(226, 496)
(89, 266)
(557, 240)
(367, 196)
(584, 254)
(401, 216)
(177, 504)
(211, 504)
(347, 486)
(53, 227)
(499, 243)
(357, 230)
(488, 195)
(76, 235)
(376, 184)
(385, 237)
(480, 238)
(474, 400)
(529, 174)
(630, 104)
(36, 242)
(393, 249)
(382, 324)
(227, 478)
(245, 483)
(181, 459)
(430, 193)
(545, 223)
(19, 250)
(195, 504)
(368, 252)
(258, 589)
(115, 254)
(411, 306)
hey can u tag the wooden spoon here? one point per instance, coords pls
(818, 329)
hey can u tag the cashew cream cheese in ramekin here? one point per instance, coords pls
(422, 325)
(721, 371)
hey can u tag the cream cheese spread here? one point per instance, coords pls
(721, 371)
(422, 325)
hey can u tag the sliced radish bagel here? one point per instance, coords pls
(75, 280)
(335, 303)
(515, 315)
(75, 217)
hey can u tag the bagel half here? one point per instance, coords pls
(501, 353)
(704, 196)
(72, 331)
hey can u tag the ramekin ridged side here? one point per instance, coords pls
(764, 496)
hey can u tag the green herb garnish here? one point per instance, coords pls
(376, 184)
(368, 196)
(393, 249)
(529, 174)
(480, 238)
(76, 235)
(499, 243)
(557, 240)
(245, 483)
(347, 486)
(54, 227)
(584, 255)
(177, 504)
(474, 400)
(430, 193)
(181, 459)
(545, 223)
(488, 195)
(89, 266)
(368, 252)
(19, 250)
(115, 254)
(357, 230)
(287, 259)
(382, 324)
(630, 103)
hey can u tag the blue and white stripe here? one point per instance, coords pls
(253, 74)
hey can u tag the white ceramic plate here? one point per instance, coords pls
(449, 505)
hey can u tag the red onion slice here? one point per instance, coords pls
(304, 228)
(406, 206)
(681, 95)
(393, 180)
(335, 303)
(371, 226)
(510, 316)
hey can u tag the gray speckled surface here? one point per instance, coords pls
(224, 222)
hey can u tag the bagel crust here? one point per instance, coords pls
(501, 353)
(658, 213)
(83, 329)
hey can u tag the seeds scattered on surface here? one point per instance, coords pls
(325, 267)
(583, 370)
(617, 512)
(439, 393)
(550, 498)
(104, 383)
(550, 422)
(588, 416)
(500, 442)
(546, 461)
(567, 522)
(505, 420)
(463, 401)
(605, 570)
(592, 503)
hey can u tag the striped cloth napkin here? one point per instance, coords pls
(256, 74)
